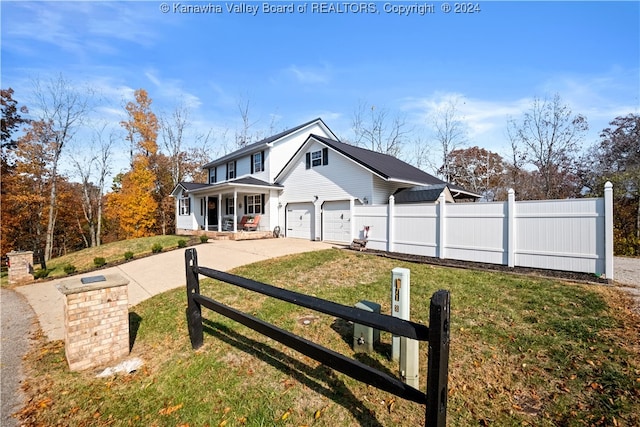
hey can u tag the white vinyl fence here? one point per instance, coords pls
(569, 235)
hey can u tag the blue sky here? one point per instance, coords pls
(293, 67)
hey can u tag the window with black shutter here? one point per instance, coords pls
(317, 158)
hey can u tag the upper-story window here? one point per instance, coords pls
(231, 170)
(317, 158)
(212, 175)
(257, 162)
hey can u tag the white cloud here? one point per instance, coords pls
(172, 92)
(310, 74)
(485, 119)
(79, 28)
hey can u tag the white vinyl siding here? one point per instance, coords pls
(282, 151)
(340, 179)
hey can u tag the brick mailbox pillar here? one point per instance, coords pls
(20, 267)
(96, 320)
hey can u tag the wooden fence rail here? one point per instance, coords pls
(437, 334)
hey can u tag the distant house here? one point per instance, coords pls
(303, 181)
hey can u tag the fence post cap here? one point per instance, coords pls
(608, 185)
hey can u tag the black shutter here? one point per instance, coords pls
(189, 206)
(325, 156)
(235, 169)
(308, 160)
(262, 161)
(246, 208)
(262, 200)
(252, 162)
(227, 179)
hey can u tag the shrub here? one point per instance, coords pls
(99, 261)
(204, 239)
(156, 248)
(128, 255)
(182, 243)
(69, 269)
(41, 274)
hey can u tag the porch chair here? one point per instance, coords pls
(250, 223)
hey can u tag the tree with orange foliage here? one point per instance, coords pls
(142, 126)
(135, 205)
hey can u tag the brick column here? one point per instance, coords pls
(20, 267)
(96, 320)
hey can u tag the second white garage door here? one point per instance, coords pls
(300, 220)
(336, 221)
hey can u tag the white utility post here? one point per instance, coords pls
(403, 349)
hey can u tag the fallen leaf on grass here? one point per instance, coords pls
(286, 415)
(390, 404)
(44, 403)
(222, 423)
(319, 412)
(170, 410)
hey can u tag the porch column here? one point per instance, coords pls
(206, 213)
(235, 211)
(219, 212)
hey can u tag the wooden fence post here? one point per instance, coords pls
(438, 361)
(194, 311)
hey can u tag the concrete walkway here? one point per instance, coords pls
(159, 273)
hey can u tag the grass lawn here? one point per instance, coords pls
(112, 253)
(524, 351)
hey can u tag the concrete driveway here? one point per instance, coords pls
(159, 273)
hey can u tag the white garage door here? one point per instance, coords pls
(336, 221)
(300, 220)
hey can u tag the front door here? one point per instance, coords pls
(212, 213)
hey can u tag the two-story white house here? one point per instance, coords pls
(303, 182)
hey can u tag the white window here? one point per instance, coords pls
(184, 206)
(254, 204)
(230, 207)
(231, 170)
(257, 162)
(316, 158)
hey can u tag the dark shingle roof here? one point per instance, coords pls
(249, 180)
(421, 193)
(190, 186)
(384, 165)
(257, 145)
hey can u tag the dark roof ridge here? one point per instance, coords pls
(264, 141)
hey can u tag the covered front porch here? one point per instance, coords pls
(238, 209)
(230, 235)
